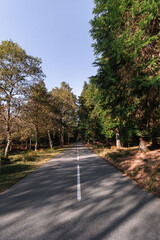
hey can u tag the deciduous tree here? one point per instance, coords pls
(18, 71)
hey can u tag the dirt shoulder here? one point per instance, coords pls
(144, 168)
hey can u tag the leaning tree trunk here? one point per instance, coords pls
(8, 143)
(118, 142)
(50, 140)
(8, 133)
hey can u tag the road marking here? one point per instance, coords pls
(78, 179)
(78, 184)
(77, 155)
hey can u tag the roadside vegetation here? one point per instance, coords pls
(22, 163)
(121, 103)
(30, 115)
(143, 168)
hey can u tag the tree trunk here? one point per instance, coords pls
(154, 138)
(10, 148)
(30, 143)
(50, 140)
(8, 144)
(36, 140)
(62, 137)
(8, 130)
(26, 144)
(154, 142)
(106, 141)
(36, 143)
(142, 145)
(59, 137)
(118, 142)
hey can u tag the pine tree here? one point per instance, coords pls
(126, 42)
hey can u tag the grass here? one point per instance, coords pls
(22, 163)
(144, 168)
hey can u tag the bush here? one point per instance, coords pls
(28, 157)
(5, 161)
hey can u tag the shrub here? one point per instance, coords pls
(28, 156)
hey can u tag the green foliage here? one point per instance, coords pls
(126, 44)
(65, 104)
(28, 112)
(18, 71)
(28, 156)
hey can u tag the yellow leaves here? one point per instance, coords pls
(107, 59)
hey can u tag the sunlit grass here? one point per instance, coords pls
(22, 163)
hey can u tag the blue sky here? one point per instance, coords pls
(56, 31)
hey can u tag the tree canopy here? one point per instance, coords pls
(17, 72)
(28, 112)
(126, 44)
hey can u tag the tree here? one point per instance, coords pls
(65, 110)
(2, 124)
(95, 121)
(17, 72)
(35, 111)
(126, 43)
(88, 113)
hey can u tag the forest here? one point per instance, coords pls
(117, 114)
(121, 103)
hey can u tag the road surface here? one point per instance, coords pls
(78, 196)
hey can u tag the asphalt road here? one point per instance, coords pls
(49, 204)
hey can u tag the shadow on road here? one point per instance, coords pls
(45, 205)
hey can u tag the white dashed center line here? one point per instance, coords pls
(78, 179)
